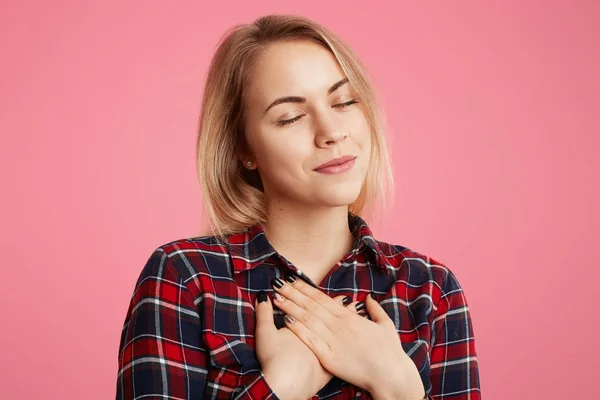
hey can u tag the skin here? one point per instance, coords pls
(308, 210)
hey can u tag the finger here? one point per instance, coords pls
(357, 307)
(310, 338)
(343, 300)
(377, 313)
(320, 298)
(265, 323)
(292, 295)
(309, 319)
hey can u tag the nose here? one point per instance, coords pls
(329, 131)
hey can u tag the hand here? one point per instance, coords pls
(366, 353)
(290, 368)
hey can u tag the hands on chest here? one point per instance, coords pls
(327, 336)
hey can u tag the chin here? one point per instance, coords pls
(339, 195)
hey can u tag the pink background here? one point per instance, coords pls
(494, 114)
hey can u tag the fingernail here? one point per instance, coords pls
(289, 319)
(346, 300)
(277, 283)
(262, 296)
(289, 277)
(277, 296)
(360, 305)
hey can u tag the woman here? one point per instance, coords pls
(290, 152)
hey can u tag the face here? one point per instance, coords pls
(320, 121)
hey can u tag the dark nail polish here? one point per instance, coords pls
(346, 301)
(262, 296)
(277, 283)
(291, 278)
(277, 297)
(360, 306)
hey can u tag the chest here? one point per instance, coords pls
(228, 318)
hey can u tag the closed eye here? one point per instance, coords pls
(289, 121)
(346, 104)
(292, 120)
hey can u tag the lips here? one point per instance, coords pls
(335, 161)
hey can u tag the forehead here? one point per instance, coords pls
(293, 68)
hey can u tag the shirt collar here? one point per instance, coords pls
(250, 248)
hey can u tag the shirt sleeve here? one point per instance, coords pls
(161, 352)
(454, 365)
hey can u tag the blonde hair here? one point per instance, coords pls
(233, 195)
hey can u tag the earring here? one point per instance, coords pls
(249, 163)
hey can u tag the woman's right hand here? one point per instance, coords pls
(290, 368)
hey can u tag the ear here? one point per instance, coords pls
(246, 158)
(248, 164)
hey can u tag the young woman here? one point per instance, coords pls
(272, 303)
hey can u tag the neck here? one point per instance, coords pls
(311, 239)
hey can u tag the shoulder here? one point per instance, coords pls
(416, 269)
(190, 258)
(193, 245)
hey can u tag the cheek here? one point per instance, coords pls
(359, 125)
(278, 156)
(364, 141)
(363, 137)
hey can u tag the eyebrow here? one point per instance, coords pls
(298, 99)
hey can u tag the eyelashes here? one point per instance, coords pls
(289, 121)
(292, 120)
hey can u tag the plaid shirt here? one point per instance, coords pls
(189, 330)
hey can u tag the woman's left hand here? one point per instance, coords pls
(365, 353)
